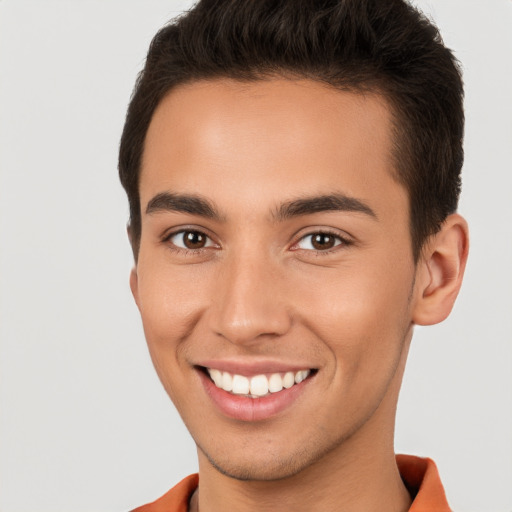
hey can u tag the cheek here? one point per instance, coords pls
(170, 304)
(362, 315)
(170, 301)
(363, 326)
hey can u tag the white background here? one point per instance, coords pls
(84, 423)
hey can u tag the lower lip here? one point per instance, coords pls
(244, 408)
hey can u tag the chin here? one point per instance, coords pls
(269, 467)
(253, 471)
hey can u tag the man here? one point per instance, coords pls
(293, 172)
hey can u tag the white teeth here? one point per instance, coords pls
(256, 386)
(227, 381)
(288, 380)
(275, 383)
(216, 376)
(301, 375)
(240, 385)
(259, 385)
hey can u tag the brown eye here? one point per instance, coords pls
(191, 240)
(194, 240)
(320, 242)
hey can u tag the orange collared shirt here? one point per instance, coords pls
(422, 480)
(420, 476)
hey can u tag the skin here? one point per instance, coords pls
(259, 290)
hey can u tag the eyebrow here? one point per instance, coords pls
(322, 203)
(183, 203)
(196, 205)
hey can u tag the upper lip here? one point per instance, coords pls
(250, 368)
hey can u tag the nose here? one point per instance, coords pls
(250, 302)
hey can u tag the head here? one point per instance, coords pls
(292, 170)
(388, 48)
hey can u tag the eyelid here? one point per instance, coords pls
(344, 240)
(170, 233)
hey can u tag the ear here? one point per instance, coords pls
(134, 285)
(134, 241)
(440, 271)
(134, 278)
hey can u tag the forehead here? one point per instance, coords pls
(285, 136)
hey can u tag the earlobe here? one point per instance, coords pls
(440, 272)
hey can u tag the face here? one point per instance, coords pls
(275, 254)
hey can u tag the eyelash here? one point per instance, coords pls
(185, 250)
(341, 242)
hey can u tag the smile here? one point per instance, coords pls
(257, 386)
